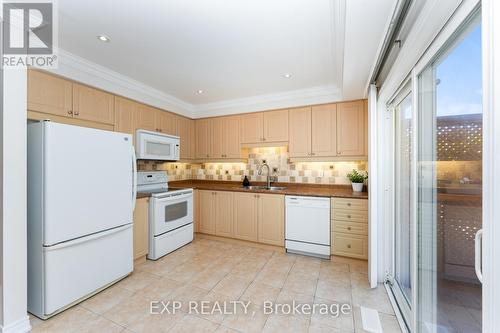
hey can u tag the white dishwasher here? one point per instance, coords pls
(307, 226)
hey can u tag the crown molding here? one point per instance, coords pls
(288, 99)
(88, 72)
(82, 70)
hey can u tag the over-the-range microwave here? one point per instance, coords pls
(156, 146)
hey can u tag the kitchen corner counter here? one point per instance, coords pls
(340, 191)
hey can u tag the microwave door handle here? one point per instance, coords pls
(134, 178)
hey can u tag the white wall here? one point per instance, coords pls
(13, 315)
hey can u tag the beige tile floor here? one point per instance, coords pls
(214, 271)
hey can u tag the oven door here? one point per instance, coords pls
(171, 212)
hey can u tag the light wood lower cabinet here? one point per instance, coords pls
(196, 210)
(271, 219)
(207, 212)
(245, 216)
(224, 214)
(349, 227)
(141, 236)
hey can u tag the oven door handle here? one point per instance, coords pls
(175, 196)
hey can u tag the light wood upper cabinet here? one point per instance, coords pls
(146, 117)
(224, 214)
(217, 138)
(203, 138)
(125, 115)
(245, 216)
(225, 137)
(93, 104)
(351, 128)
(231, 138)
(166, 122)
(252, 127)
(49, 94)
(270, 126)
(271, 219)
(276, 126)
(185, 129)
(324, 130)
(207, 212)
(300, 132)
(141, 233)
(192, 143)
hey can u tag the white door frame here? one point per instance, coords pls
(491, 165)
(372, 188)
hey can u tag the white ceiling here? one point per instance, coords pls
(235, 51)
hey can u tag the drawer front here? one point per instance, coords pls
(348, 203)
(350, 215)
(350, 245)
(350, 228)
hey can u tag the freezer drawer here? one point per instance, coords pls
(78, 268)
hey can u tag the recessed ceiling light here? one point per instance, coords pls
(287, 75)
(199, 91)
(103, 38)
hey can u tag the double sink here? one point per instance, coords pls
(266, 188)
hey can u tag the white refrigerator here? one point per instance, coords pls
(81, 197)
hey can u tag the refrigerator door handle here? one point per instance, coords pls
(87, 238)
(478, 245)
(134, 178)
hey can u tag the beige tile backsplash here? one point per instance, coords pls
(275, 157)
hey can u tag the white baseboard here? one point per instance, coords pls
(20, 326)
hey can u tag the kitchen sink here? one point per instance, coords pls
(276, 188)
(265, 188)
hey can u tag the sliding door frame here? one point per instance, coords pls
(491, 155)
(491, 148)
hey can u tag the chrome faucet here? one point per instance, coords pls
(259, 172)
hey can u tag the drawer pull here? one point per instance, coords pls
(348, 216)
(349, 228)
(349, 204)
(348, 246)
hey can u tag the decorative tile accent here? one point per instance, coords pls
(275, 157)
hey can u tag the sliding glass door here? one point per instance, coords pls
(401, 278)
(438, 190)
(449, 175)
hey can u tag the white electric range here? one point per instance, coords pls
(170, 213)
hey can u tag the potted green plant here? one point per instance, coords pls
(357, 180)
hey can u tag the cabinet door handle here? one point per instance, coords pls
(76, 113)
(349, 204)
(70, 112)
(349, 228)
(348, 246)
(348, 216)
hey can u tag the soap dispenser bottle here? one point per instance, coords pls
(246, 182)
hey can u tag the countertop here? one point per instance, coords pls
(341, 191)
